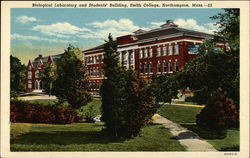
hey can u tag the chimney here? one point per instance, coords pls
(40, 56)
(169, 23)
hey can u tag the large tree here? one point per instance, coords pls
(17, 76)
(49, 76)
(72, 82)
(113, 90)
(127, 101)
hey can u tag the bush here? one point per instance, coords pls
(220, 113)
(21, 111)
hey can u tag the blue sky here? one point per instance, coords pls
(49, 31)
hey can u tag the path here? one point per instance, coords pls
(188, 139)
(37, 96)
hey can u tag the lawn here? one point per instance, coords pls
(186, 117)
(179, 114)
(87, 137)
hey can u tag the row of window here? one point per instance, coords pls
(161, 51)
(95, 85)
(37, 74)
(161, 67)
(127, 58)
(93, 59)
(95, 72)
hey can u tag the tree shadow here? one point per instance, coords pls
(67, 138)
(186, 135)
(203, 133)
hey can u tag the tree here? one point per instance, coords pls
(229, 24)
(127, 101)
(140, 104)
(17, 76)
(113, 90)
(49, 76)
(72, 81)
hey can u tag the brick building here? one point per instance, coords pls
(159, 51)
(33, 72)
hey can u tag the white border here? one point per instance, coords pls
(244, 87)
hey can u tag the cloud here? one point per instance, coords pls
(25, 19)
(36, 38)
(192, 24)
(119, 27)
(61, 29)
(156, 24)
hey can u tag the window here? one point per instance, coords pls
(29, 84)
(29, 74)
(131, 58)
(164, 66)
(170, 48)
(29, 68)
(141, 68)
(145, 53)
(158, 51)
(176, 49)
(150, 67)
(125, 58)
(102, 57)
(193, 49)
(159, 66)
(150, 52)
(97, 59)
(176, 65)
(170, 66)
(145, 68)
(140, 54)
(37, 74)
(164, 51)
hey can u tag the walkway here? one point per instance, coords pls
(37, 96)
(188, 139)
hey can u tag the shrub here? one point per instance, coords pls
(21, 111)
(140, 105)
(220, 113)
(65, 115)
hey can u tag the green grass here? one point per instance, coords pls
(90, 137)
(186, 117)
(179, 114)
(45, 101)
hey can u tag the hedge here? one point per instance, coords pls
(22, 111)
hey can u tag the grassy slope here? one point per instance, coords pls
(179, 114)
(90, 137)
(184, 115)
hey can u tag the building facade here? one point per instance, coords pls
(34, 69)
(159, 51)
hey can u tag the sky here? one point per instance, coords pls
(48, 31)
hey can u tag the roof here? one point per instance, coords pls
(44, 60)
(95, 48)
(167, 29)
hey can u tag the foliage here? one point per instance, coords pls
(113, 90)
(127, 101)
(206, 73)
(22, 111)
(164, 88)
(229, 24)
(48, 76)
(219, 114)
(17, 76)
(72, 80)
(140, 104)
